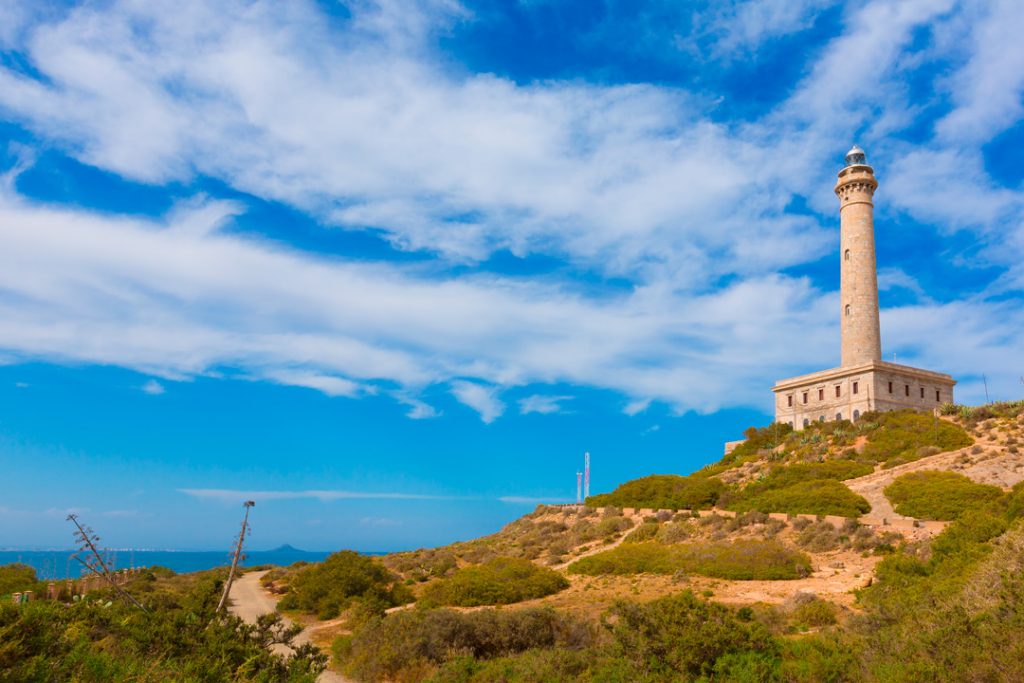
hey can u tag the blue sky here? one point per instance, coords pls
(390, 268)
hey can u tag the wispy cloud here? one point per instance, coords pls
(533, 500)
(358, 123)
(153, 388)
(239, 496)
(539, 403)
(482, 399)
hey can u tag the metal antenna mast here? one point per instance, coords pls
(586, 476)
(985, 380)
(236, 556)
(579, 487)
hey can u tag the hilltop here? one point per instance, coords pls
(815, 553)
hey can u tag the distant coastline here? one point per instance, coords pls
(58, 564)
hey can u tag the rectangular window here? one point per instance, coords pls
(789, 400)
(890, 387)
(805, 397)
(922, 392)
(907, 389)
(821, 394)
(837, 393)
(937, 399)
(855, 387)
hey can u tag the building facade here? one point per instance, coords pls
(863, 382)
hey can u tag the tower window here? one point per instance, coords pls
(821, 419)
(847, 309)
(937, 395)
(846, 255)
(856, 386)
(821, 394)
(839, 416)
(789, 400)
(906, 389)
(922, 392)
(838, 391)
(890, 387)
(805, 397)
(856, 415)
(806, 422)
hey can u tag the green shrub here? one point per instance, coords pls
(813, 497)
(939, 495)
(902, 433)
(1015, 501)
(16, 578)
(813, 612)
(739, 560)
(757, 442)
(345, 577)
(501, 581)
(178, 638)
(407, 645)
(611, 526)
(681, 638)
(644, 532)
(664, 491)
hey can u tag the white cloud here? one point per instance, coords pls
(539, 403)
(238, 496)
(153, 388)
(636, 407)
(482, 399)
(366, 126)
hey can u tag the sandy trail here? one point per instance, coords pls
(249, 601)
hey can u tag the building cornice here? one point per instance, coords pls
(825, 376)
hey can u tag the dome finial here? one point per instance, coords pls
(856, 156)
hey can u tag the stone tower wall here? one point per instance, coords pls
(861, 335)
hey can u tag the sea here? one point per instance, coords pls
(59, 564)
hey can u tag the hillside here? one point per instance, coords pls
(816, 551)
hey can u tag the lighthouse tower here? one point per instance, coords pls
(863, 382)
(861, 331)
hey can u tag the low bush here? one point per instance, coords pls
(644, 532)
(939, 495)
(807, 488)
(664, 491)
(344, 578)
(809, 611)
(408, 645)
(757, 442)
(17, 577)
(739, 560)
(818, 537)
(501, 581)
(179, 638)
(684, 638)
(901, 435)
(813, 497)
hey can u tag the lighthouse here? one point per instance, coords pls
(863, 382)
(858, 272)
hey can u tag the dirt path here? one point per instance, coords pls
(249, 601)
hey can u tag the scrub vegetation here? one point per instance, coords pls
(344, 580)
(738, 560)
(501, 581)
(179, 638)
(939, 495)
